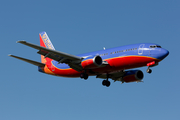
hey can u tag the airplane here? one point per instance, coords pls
(113, 63)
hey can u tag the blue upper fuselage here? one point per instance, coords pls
(143, 49)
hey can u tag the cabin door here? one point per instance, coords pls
(140, 50)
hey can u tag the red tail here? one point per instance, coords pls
(45, 42)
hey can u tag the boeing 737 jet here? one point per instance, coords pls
(114, 63)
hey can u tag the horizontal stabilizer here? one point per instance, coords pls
(29, 61)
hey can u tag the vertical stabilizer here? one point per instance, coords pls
(45, 42)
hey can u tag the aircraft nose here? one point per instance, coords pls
(164, 53)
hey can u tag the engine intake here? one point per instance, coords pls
(92, 62)
(133, 76)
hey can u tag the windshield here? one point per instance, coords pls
(155, 46)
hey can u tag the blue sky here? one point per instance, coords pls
(80, 26)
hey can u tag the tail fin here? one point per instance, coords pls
(45, 42)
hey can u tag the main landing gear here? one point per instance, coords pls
(84, 76)
(106, 82)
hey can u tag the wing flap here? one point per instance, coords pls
(29, 61)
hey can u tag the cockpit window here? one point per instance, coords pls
(155, 46)
(158, 46)
(152, 46)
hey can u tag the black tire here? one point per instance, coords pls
(108, 83)
(82, 75)
(104, 82)
(149, 71)
(85, 76)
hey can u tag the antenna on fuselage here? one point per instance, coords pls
(104, 48)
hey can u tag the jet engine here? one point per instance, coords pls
(92, 62)
(133, 76)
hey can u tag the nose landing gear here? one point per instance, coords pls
(151, 64)
(149, 70)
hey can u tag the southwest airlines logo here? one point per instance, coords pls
(47, 41)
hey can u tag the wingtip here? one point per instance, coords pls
(21, 41)
(11, 55)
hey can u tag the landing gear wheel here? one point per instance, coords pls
(106, 83)
(84, 75)
(149, 71)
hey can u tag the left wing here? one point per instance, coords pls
(61, 57)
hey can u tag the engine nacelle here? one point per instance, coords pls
(133, 76)
(92, 62)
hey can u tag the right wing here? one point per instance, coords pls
(116, 76)
(29, 61)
